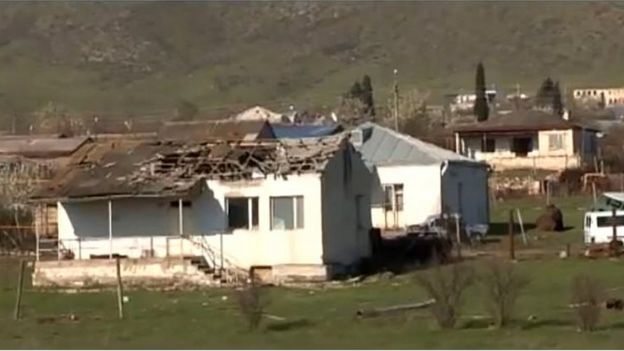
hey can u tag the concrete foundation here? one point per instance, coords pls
(162, 272)
(134, 272)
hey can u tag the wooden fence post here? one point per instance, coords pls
(458, 235)
(119, 289)
(512, 249)
(20, 285)
(614, 224)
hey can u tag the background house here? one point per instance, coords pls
(26, 162)
(414, 179)
(527, 139)
(237, 204)
(228, 129)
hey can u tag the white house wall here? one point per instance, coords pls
(421, 193)
(346, 188)
(143, 224)
(465, 191)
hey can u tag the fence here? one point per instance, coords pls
(565, 184)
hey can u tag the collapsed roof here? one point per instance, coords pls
(135, 168)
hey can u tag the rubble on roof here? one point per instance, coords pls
(174, 168)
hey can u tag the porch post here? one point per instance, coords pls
(110, 229)
(250, 211)
(457, 150)
(181, 226)
(38, 218)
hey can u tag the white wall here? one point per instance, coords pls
(465, 191)
(346, 178)
(421, 193)
(135, 220)
(568, 142)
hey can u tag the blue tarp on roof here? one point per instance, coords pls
(297, 131)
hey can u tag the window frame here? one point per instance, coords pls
(253, 221)
(298, 219)
(396, 195)
(559, 139)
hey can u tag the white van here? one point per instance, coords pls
(598, 227)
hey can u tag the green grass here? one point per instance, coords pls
(321, 318)
(316, 318)
(573, 209)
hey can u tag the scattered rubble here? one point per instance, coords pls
(551, 220)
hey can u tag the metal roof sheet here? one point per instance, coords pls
(383, 146)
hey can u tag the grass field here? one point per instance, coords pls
(317, 317)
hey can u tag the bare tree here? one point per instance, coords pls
(413, 117)
(502, 284)
(251, 304)
(587, 295)
(446, 285)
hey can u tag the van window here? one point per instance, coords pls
(588, 222)
(606, 221)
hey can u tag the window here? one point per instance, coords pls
(287, 212)
(555, 142)
(522, 146)
(176, 204)
(606, 221)
(242, 212)
(393, 197)
(489, 145)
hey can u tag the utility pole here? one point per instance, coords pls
(396, 101)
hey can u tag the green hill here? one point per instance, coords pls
(141, 57)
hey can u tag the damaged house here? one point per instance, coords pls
(293, 208)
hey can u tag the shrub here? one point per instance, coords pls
(502, 285)
(446, 285)
(251, 304)
(587, 295)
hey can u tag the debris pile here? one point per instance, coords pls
(551, 220)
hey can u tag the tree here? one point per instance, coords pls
(367, 96)
(54, 118)
(350, 111)
(356, 91)
(414, 119)
(557, 104)
(549, 97)
(185, 111)
(544, 94)
(481, 108)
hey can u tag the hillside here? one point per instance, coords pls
(141, 58)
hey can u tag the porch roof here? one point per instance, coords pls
(520, 121)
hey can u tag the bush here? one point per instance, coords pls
(587, 295)
(446, 285)
(502, 285)
(251, 304)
